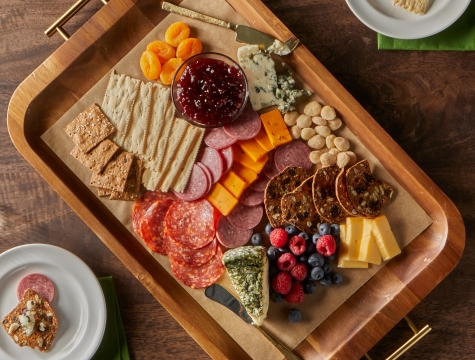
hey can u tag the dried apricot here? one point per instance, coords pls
(150, 65)
(163, 51)
(188, 48)
(176, 33)
(169, 69)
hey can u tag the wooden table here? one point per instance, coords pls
(424, 100)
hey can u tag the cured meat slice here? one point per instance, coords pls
(251, 198)
(217, 138)
(39, 283)
(295, 153)
(342, 195)
(153, 225)
(187, 256)
(228, 157)
(207, 173)
(141, 206)
(245, 217)
(197, 185)
(191, 224)
(324, 196)
(246, 126)
(213, 161)
(260, 184)
(285, 182)
(202, 276)
(270, 170)
(229, 236)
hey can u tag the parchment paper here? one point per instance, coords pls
(406, 217)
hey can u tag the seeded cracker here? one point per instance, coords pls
(132, 186)
(298, 209)
(114, 176)
(98, 157)
(32, 309)
(89, 128)
(342, 195)
(324, 196)
(103, 192)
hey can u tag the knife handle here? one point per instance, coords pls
(282, 348)
(194, 15)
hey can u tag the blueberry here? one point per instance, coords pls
(273, 270)
(337, 279)
(295, 315)
(310, 249)
(316, 260)
(291, 230)
(324, 229)
(284, 250)
(338, 242)
(269, 228)
(277, 297)
(335, 230)
(317, 273)
(256, 239)
(330, 258)
(309, 287)
(327, 268)
(305, 236)
(303, 259)
(315, 237)
(326, 281)
(273, 253)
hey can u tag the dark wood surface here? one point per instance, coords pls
(424, 100)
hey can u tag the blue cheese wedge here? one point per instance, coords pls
(279, 48)
(248, 269)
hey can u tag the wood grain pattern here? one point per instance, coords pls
(423, 100)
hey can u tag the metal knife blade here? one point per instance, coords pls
(224, 297)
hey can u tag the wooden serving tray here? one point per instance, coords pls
(366, 316)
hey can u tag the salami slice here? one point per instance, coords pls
(202, 276)
(153, 225)
(228, 157)
(245, 217)
(217, 138)
(270, 170)
(246, 126)
(251, 198)
(197, 185)
(141, 206)
(187, 256)
(229, 236)
(213, 160)
(39, 283)
(191, 224)
(208, 174)
(295, 153)
(260, 184)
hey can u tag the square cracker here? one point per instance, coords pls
(98, 157)
(115, 174)
(89, 128)
(132, 186)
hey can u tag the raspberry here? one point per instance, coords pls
(295, 295)
(278, 237)
(299, 272)
(286, 262)
(326, 245)
(297, 245)
(282, 283)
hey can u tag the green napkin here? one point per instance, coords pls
(459, 36)
(113, 345)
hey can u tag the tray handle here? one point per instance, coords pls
(58, 24)
(418, 334)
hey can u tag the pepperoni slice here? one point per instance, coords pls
(245, 217)
(187, 256)
(208, 175)
(295, 153)
(214, 162)
(260, 184)
(202, 276)
(153, 225)
(270, 170)
(251, 198)
(141, 206)
(246, 126)
(191, 224)
(39, 283)
(228, 157)
(217, 138)
(197, 185)
(229, 236)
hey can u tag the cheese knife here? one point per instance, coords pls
(224, 297)
(244, 34)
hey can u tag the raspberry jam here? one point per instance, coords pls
(211, 92)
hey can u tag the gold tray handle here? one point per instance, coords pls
(58, 24)
(418, 334)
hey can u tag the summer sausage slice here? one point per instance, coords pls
(229, 236)
(295, 153)
(197, 185)
(217, 138)
(39, 283)
(251, 198)
(214, 162)
(246, 126)
(245, 217)
(228, 157)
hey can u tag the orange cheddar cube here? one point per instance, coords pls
(276, 128)
(221, 199)
(248, 175)
(252, 148)
(263, 140)
(233, 183)
(242, 158)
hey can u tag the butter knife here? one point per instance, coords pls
(224, 297)
(244, 34)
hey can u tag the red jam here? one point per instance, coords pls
(211, 92)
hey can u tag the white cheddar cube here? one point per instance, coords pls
(387, 244)
(369, 251)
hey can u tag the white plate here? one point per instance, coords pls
(396, 22)
(78, 302)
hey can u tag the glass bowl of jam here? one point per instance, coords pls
(209, 90)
